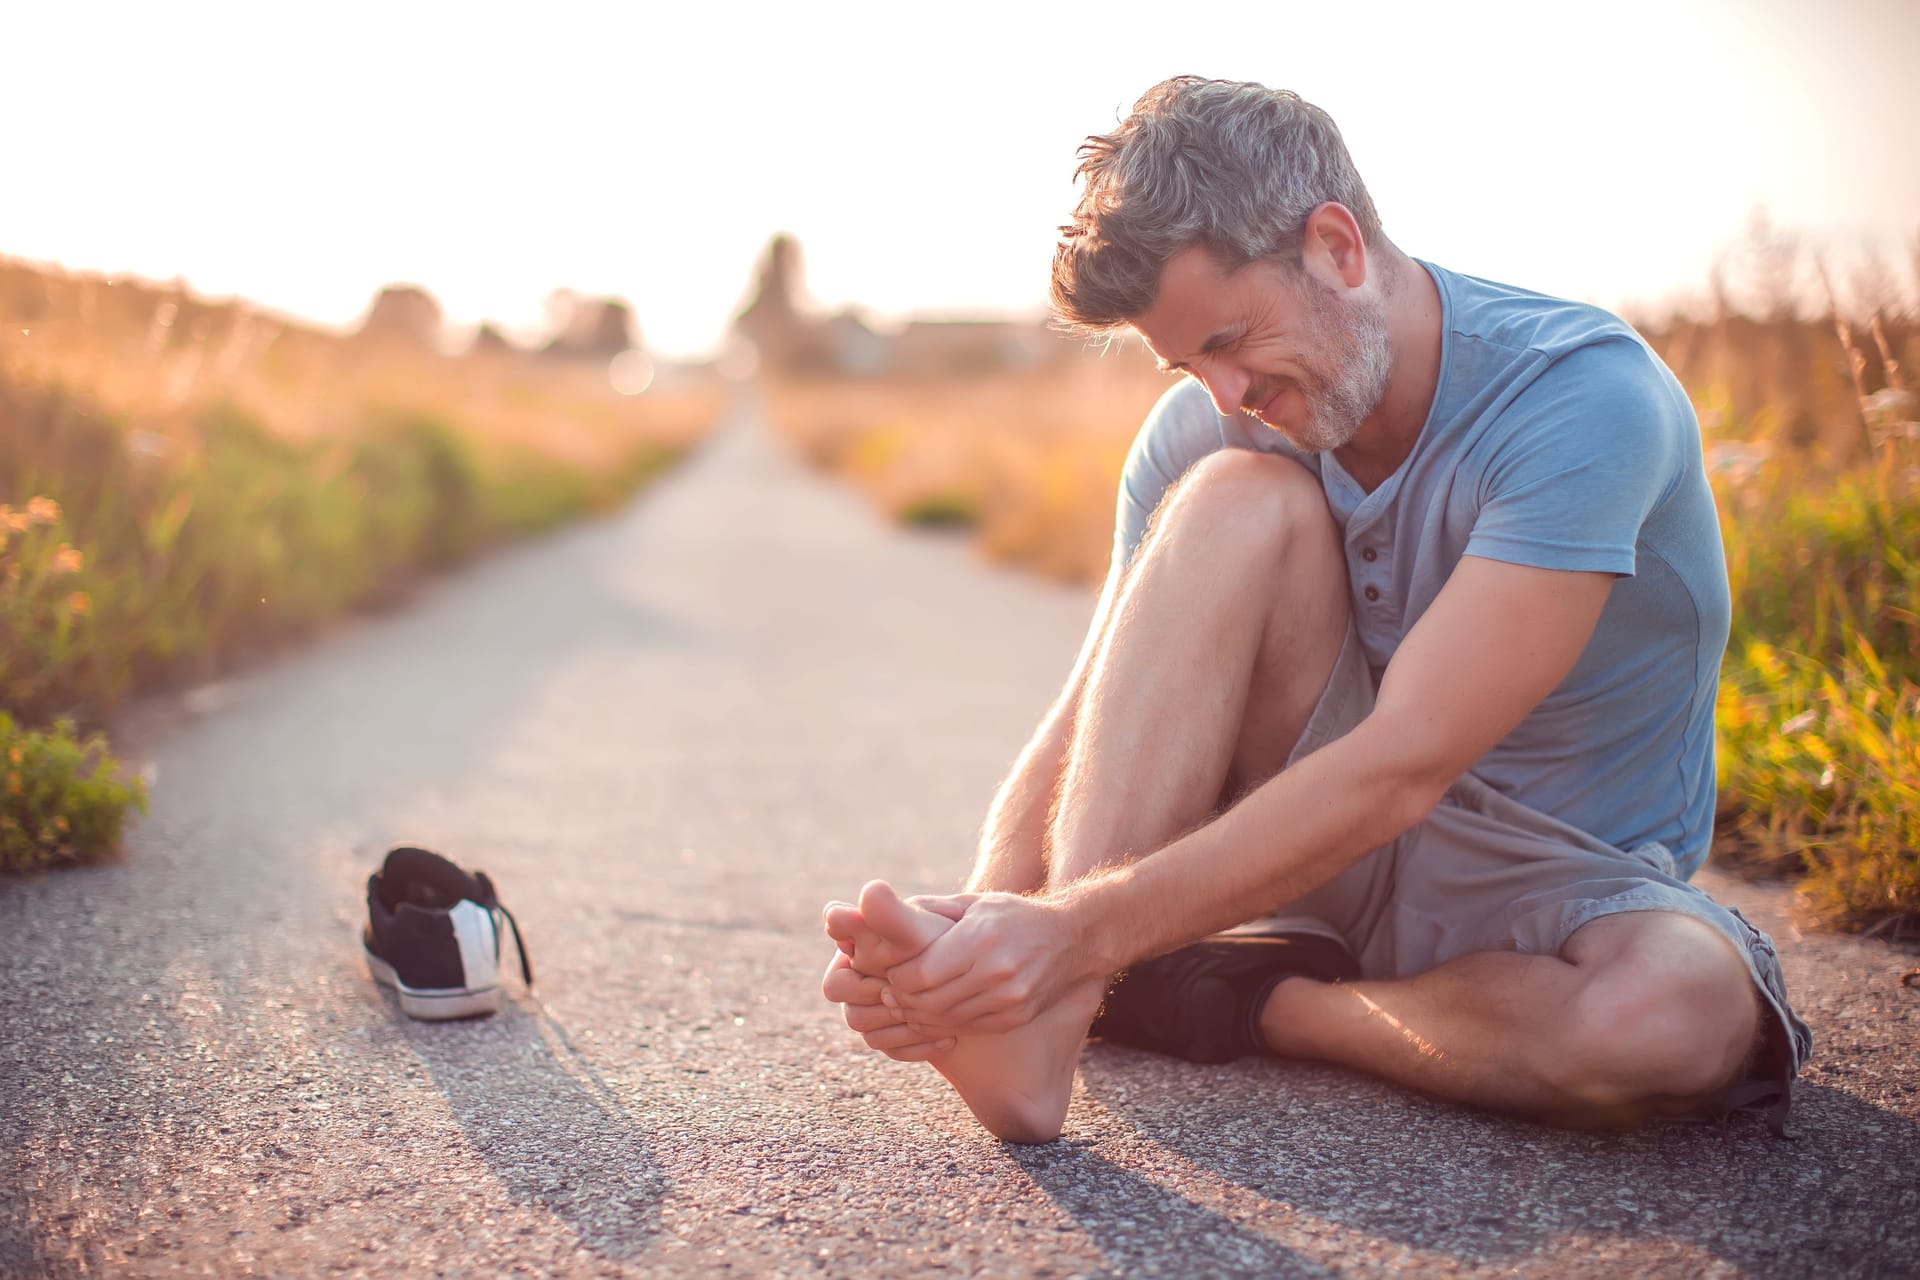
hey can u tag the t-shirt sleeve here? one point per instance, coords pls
(1584, 455)
(1182, 428)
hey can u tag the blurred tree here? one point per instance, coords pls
(404, 313)
(773, 319)
(597, 328)
(489, 341)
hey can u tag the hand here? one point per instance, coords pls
(1007, 960)
(881, 1027)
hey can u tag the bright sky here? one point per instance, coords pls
(302, 156)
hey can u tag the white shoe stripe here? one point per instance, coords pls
(474, 929)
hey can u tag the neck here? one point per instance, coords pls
(1412, 304)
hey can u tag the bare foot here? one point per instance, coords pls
(1017, 1084)
(883, 930)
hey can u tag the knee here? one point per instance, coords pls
(1673, 1020)
(1240, 498)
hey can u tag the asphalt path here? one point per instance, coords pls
(669, 736)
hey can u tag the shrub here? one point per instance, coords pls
(62, 798)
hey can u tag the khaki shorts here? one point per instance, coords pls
(1485, 873)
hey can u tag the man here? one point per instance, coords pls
(1413, 629)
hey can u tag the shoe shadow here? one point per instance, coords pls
(556, 1137)
(1488, 1190)
(1131, 1219)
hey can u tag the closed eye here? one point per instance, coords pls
(1226, 340)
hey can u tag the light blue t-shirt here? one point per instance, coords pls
(1557, 439)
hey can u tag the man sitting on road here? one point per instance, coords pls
(1413, 631)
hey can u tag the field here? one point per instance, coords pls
(1816, 465)
(185, 484)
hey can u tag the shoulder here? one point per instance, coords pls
(1517, 361)
(1607, 394)
(1521, 320)
(1183, 427)
(1183, 417)
(1531, 357)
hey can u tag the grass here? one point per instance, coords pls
(1027, 458)
(1819, 708)
(1819, 491)
(185, 485)
(65, 800)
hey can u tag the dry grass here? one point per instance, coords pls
(160, 358)
(1030, 457)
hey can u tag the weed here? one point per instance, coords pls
(63, 799)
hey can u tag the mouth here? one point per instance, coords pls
(1263, 410)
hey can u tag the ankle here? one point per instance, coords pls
(1284, 1015)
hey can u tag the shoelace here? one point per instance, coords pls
(492, 903)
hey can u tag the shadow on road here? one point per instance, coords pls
(1488, 1189)
(554, 1134)
(1131, 1219)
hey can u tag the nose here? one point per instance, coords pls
(1225, 384)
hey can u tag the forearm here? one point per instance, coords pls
(1288, 837)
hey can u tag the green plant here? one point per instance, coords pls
(62, 797)
(942, 508)
(1820, 776)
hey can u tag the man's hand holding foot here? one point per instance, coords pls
(1018, 1082)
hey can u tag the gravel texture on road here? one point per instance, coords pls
(669, 736)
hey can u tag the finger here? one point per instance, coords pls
(887, 1039)
(835, 967)
(869, 1017)
(952, 905)
(845, 985)
(919, 1052)
(935, 1003)
(983, 1015)
(948, 957)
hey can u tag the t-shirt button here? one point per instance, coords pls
(1372, 593)
(1369, 555)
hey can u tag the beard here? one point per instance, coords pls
(1345, 377)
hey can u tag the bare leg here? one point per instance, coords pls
(1228, 626)
(1646, 1012)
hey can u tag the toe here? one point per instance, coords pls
(906, 928)
(843, 920)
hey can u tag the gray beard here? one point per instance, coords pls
(1354, 358)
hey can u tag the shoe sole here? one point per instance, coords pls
(435, 1004)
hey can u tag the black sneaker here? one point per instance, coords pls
(433, 935)
(1203, 1002)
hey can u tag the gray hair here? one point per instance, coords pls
(1233, 167)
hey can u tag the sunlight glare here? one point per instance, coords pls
(630, 372)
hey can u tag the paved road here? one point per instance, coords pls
(669, 736)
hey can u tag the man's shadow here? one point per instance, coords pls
(1145, 1229)
(556, 1136)
(1487, 1189)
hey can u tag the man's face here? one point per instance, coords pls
(1274, 343)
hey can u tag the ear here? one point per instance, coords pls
(1332, 251)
